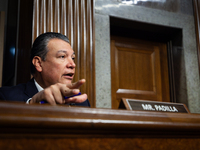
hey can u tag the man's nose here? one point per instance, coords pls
(71, 64)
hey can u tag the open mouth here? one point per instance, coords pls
(69, 75)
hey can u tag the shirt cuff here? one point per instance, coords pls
(27, 102)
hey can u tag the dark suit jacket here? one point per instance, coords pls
(23, 92)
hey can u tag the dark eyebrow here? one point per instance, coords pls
(62, 51)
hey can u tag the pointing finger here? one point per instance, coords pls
(77, 84)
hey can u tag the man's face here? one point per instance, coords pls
(59, 66)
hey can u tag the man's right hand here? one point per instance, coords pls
(55, 94)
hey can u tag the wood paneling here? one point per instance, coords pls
(73, 18)
(24, 37)
(2, 24)
(139, 70)
(59, 127)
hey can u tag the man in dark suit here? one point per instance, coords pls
(53, 69)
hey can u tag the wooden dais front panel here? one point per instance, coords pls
(59, 127)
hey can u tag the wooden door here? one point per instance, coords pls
(139, 70)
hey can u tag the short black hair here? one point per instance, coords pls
(39, 47)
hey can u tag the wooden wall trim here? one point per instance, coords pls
(196, 7)
(24, 37)
(73, 18)
(2, 24)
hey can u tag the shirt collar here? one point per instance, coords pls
(39, 88)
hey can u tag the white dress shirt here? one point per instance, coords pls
(39, 88)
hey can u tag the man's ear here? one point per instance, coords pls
(37, 63)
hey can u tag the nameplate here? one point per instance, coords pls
(144, 105)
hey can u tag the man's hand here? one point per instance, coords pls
(55, 94)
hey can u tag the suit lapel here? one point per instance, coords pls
(30, 89)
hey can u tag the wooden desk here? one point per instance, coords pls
(36, 127)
